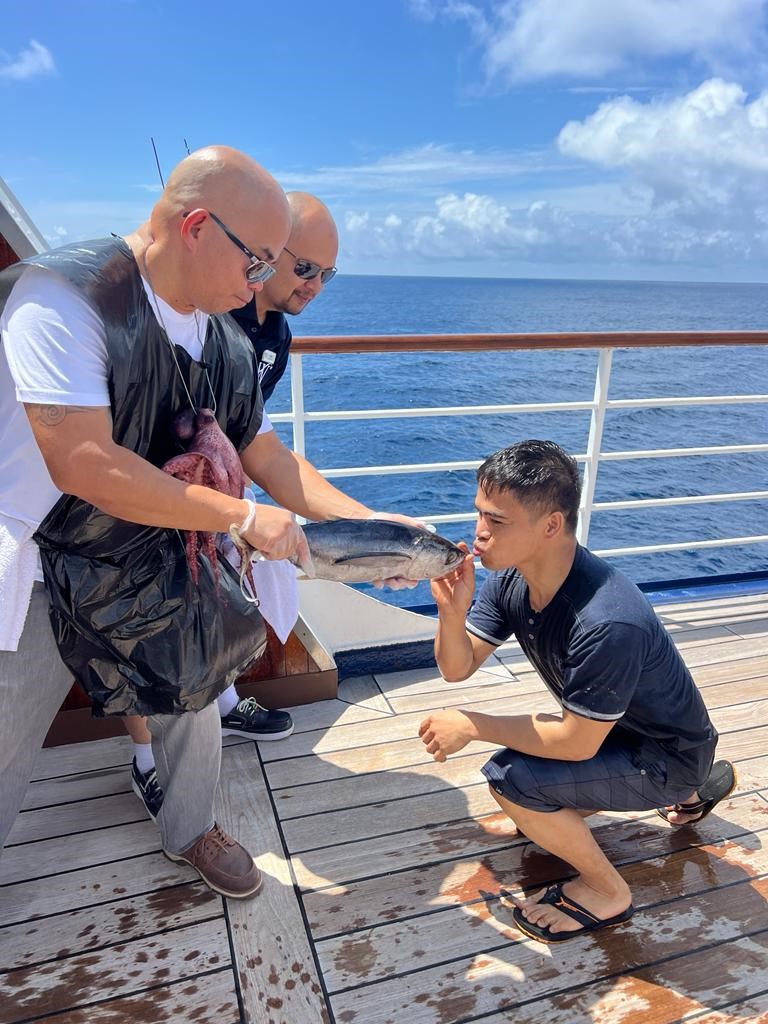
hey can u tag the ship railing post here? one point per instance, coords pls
(594, 445)
(297, 403)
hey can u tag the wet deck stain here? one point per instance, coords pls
(450, 1004)
(483, 882)
(356, 957)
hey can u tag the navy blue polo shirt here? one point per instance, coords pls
(600, 648)
(271, 341)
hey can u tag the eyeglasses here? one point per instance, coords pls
(306, 269)
(259, 271)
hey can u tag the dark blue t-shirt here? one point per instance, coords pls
(601, 650)
(271, 340)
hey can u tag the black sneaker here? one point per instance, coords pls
(248, 718)
(147, 789)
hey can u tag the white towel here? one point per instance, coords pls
(277, 588)
(19, 567)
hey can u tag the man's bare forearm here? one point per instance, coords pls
(542, 735)
(453, 649)
(124, 485)
(294, 483)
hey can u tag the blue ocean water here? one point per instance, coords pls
(394, 305)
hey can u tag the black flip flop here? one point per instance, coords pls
(720, 784)
(556, 898)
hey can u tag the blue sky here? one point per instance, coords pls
(530, 138)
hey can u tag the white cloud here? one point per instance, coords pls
(466, 227)
(428, 166)
(35, 60)
(480, 230)
(528, 40)
(703, 156)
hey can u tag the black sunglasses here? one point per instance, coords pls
(306, 269)
(259, 271)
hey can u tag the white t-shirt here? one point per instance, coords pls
(53, 352)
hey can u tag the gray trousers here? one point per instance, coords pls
(33, 684)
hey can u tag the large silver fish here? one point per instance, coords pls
(362, 550)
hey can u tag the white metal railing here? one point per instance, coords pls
(592, 458)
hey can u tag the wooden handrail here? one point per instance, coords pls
(501, 342)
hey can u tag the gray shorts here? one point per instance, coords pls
(617, 778)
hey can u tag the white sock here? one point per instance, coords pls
(227, 700)
(144, 759)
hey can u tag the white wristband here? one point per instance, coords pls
(247, 523)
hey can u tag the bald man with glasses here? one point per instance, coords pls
(288, 285)
(102, 345)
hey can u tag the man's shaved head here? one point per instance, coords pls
(308, 211)
(193, 262)
(313, 238)
(224, 180)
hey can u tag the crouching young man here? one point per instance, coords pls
(633, 732)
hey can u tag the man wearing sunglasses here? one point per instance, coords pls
(102, 345)
(305, 266)
(298, 275)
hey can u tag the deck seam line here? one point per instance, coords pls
(506, 893)
(81, 867)
(723, 1006)
(77, 832)
(400, 739)
(299, 900)
(67, 803)
(101, 903)
(484, 852)
(549, 994)
(233, 962)
(364, 775)
(6, 971)
(411, 796)
(235, 742)
(139, 991)
(608, 977)
(418, 828)
(385, 698)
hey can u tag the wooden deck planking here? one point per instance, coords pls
(77, 816)
(418, 847)
(469, 929)
(88, 886)
(385, 875)
(272, 952)
(733, 701)
(480, 875)
(46, 857)
(511, 970)
(83, 786)
(76, 981)
(211, 999)
(681, 988)
(79, 930)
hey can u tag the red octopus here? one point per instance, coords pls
(210, 460)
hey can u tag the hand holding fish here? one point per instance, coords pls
(453, 593)
(446, 732)
(275, 534)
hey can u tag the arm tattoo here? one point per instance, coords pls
(52, 415)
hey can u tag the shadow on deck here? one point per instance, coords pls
(387, 876)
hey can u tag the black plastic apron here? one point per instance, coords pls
(134, 630)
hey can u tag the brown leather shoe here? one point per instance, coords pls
(223, 864)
